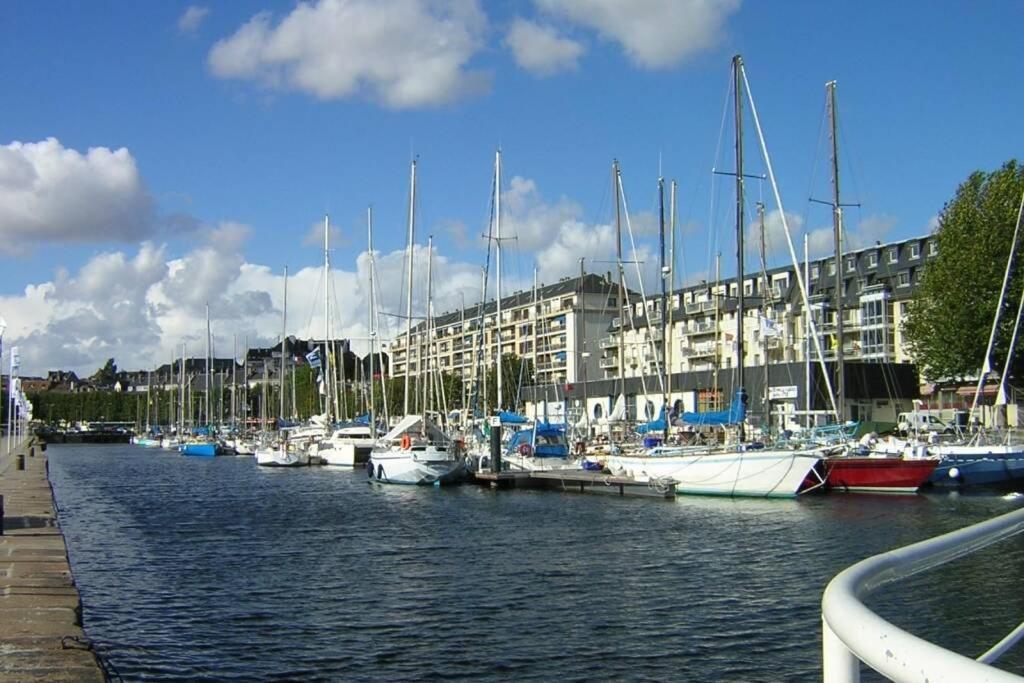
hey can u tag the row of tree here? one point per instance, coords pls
(53, 407)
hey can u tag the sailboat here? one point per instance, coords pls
(415, 451)
(351, 443)
(736, 471)
(853, 470)
(280, 453)
(204, 443)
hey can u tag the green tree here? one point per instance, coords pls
(951, 313)
(107, 375)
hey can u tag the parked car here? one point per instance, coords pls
(913, 423)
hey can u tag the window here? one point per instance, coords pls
(815, 272)
(851, 264)
(748, 288)
(649, 414)
(933, 248)
(894, 254)
(872, 259)
(598, 411)
(831, 267)
(903, 279)
(915, 250)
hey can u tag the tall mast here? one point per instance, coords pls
(737, 66)
(327, 369)
(764, 312)
(234, 380)
(284, 332)
(497, 236)
(373, 332)
(837, 230)
(408, 283)
(807, 337)
(425, 370)
(671, 289)
(536, 352)
(664, 303)
(207, 396)
(616, 184)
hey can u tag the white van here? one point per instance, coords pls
(909, 423)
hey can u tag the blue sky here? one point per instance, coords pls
(222, 132)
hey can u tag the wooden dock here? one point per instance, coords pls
(576, 481)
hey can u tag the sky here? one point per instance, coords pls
(157, 158)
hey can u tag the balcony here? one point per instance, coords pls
(609, 342)
(702, 327)
(698, 307)
(608, 363)
(701, 350)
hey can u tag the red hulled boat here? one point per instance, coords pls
(878, 474)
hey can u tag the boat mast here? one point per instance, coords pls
(234, 380)
(326, 362)
(373, 333)
(497, 237)
(671, 289)
(837, 235)
(763, 326)
(737, 65)
(616, 184)
(425, 370)
(408, 283)
(284, 332)
(807, 337)
(536, 351)
(664, 307)
(206, 398)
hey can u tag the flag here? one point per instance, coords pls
(15, 359)
(321, 384)
(768, 327)
(313, 358)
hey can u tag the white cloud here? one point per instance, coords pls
(191, 19)
(403, 53)
(654, 33)
(539, 49)
(49, 193)
(527, 216)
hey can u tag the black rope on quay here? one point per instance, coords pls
(107, 667)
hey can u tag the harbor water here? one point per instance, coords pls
(215, 569)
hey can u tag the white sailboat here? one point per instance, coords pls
(416, 451)
(737, 471)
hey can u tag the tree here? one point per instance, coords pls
(950, 316)
(107, 375)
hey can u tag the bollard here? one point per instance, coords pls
(1, 515)
(21, 461)
(31, 451)
(42, 447)
(496, 445)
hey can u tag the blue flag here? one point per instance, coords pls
(313, 358)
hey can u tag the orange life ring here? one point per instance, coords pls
(406, 441)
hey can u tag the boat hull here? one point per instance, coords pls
(345, 454)
(275, 457)
(878, 475)
(200, 450)
(415, 467)
(999, 467)
(754, 473)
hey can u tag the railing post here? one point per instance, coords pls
(838, 664)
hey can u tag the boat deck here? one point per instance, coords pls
(575, 481)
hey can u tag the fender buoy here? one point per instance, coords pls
(525, 450)
(581, 448)
(406, 442)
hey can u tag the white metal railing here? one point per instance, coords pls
(852, 632)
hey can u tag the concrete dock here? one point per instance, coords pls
(41, 636)
(576, 481)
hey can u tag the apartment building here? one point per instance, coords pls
(701, 330)
(552, 331)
